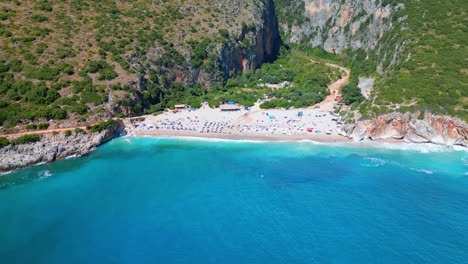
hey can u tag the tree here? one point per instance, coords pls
(4, 142)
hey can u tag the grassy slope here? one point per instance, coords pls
(435, 76)
(64, 59)
(430, 72)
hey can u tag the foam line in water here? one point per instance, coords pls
(6, 173)
(422, 170)
(418, 147)
(72, 156)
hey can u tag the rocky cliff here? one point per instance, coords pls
(255, 44)
(253, 41)
(54, 147)
(124, 57)
(407, 127)
(337, 24)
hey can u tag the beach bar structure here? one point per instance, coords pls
(182, 106)
(229, 107)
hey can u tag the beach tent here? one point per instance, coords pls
(181, 106)
(309, 129)
(272, 117)
(230, 103)
(227, 107)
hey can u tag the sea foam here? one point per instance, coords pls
(422, 170)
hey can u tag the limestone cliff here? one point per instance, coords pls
(336, 25)
(432, 129)
(255, 45)
(54, 147)
(253, 40)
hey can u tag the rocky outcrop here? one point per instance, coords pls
(339, 24)
(407, 127)
(256, 44)
(52, 148)
(253, 39)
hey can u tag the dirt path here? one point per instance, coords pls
(47, 131)
(327, 104)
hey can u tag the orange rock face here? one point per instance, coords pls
(434, 129)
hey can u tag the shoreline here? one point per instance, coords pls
(23, 156)
(427, 147)
(189, 135)
(243, 136)
(324, 139)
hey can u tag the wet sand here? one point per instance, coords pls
(242, 136)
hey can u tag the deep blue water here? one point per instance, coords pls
(147, 200)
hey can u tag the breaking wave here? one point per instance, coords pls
(423, 171)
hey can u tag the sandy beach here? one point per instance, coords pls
(244, 136)
(255, 123)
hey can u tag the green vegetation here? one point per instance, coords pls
(105, 70)
(72, 59)
(53, 47)
(25, 139)
(105, 125)
(4, 142)
(435, 75)
(308, 83)
(41, 73)
(290, 13)
(31, 126)
(422, 59)
(67, 133)
(351, 93)
(43, 126)
(80, 131)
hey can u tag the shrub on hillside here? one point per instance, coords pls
(101, 126)
(41, 73)
(352, 94)
(26, 139)
(43, 126)
(4, 142)
(38, 18)
(31, 126)
(79, 131)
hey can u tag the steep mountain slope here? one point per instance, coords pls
(335, 25)
(85, 60)
(92, 59)
(416, 49)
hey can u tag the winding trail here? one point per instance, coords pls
(327, 104)
(324, 106)
(47, 131)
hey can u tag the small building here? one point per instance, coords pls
(229, 107)
(182, 106)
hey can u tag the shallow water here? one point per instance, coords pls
(148, 200)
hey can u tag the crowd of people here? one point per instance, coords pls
(277, 122)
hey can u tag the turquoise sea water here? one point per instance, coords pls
(148, 200)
